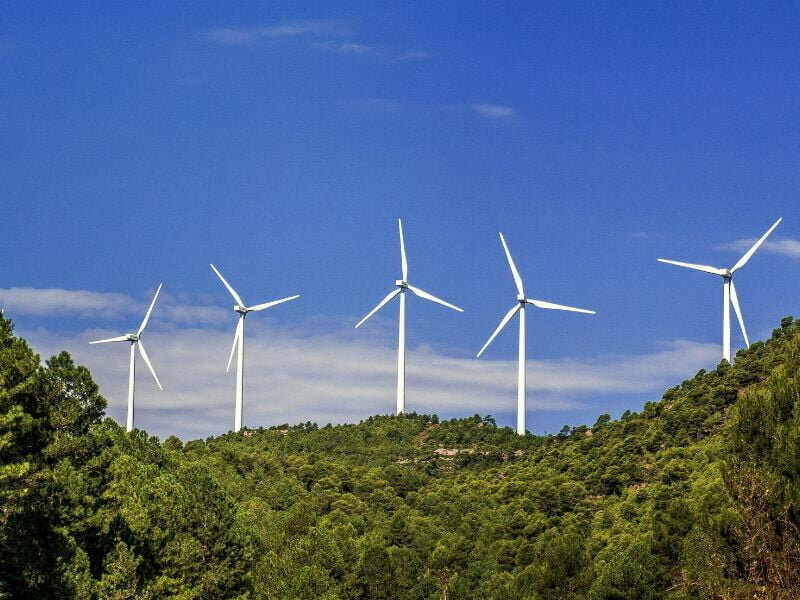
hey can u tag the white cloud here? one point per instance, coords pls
(294, 376)
(783, 247)
(85, 304)
(643, 235)
(493, 111)
(328, 33)
(189, 314)
(245, 36)
(346, 48)
(322, 371)
(55, 302)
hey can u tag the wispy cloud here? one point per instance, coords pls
(346, 48)
(189, 314)
(85, 304)
(246, 36)
(296, 374)
(321, 35)
(644, 235)
(59, 302)
(493, 111)
(325, 373)
(783, 247)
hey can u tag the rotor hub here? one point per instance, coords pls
(400, 283)
(242, 310)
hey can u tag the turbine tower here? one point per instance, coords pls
(729, 296)
(401, 287)
(238, 342)
(519, 307)
(136, 342)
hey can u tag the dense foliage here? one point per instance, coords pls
(697, 496)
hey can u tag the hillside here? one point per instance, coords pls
(696, 496)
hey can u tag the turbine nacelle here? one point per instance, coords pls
(730, 295)
(238, 339)
(519, 307)
(136, 344)
(401, 286)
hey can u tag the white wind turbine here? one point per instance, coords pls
(238, 341)
(136, 342)
(728, 291)
(519, 307)
(401, 286)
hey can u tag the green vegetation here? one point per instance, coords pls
(697, 496)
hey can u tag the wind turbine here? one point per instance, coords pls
(519, 307)
(728, 290)
(136, 342)
(238, 341)
(401, 287)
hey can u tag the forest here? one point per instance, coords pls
(696, 496)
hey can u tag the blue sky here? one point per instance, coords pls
(282, 142)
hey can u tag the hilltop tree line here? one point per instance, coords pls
(694, 497)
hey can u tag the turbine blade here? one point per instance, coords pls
(743, 261)
(381, 304)
(404, 262)
(143, 352)
(551, 306)
(228, 285)
(514, 272)
(258, 307)
(432, 298)
(235, 339)
(738, 311)
(121, 338)
(503, 323)
(149, 310)
(704, 268)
